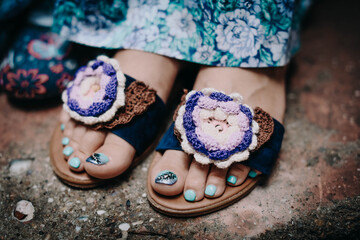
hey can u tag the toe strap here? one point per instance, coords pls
(141, 131)
(169, 141)
(263, 159)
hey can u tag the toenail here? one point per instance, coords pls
(210, 190)
(190, 195)
(166, 177)
(98, 159)
(65, 141)
(62, 127)
(74, 162)
(231, 179)
(252, 174)
(68, 151)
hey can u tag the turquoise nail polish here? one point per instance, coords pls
(62, 127)
(98, 159)
(65, 141)
(252, 174)
(74, 162)
(231, 179)
(68, 151)
(190, 195)
(210, 190)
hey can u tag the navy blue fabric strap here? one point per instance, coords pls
(169, 141)
(141, 131)
(262, 159)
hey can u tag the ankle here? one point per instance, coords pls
(264, 88)
(156, 71)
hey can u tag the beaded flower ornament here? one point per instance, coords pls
(217, 128)
(96, 93)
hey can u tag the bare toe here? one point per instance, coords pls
(111, 159)
(195, 182)
(90, 141)
(169, 173)
(215, 184)
(237, 174)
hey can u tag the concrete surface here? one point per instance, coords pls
(314, 192)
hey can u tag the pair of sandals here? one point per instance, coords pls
(209, 125)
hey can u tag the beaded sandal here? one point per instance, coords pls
(102, 97)
(217, 129)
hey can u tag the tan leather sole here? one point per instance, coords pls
(75, 179)
(177, 205)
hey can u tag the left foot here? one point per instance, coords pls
(259, 87)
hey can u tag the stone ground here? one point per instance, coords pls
(314, 192)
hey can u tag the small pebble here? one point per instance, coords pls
(124, 226)
(24, 211)
(144, 195)
(83, 218)
(77, 229)
(90, 200)
(151, 219)
(19, 166)
(101, 212)
(137, 223)
(128, 203)
(50, 200)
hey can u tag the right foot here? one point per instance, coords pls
(81, 142)
(263, 88)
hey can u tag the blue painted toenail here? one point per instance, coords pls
(62, 127)
(210, 190)
(252, 174)
(190, 195)
(98, 159)
(166, 177)
(65, 141)
(74, 162)
(231, 179)
(68, 151)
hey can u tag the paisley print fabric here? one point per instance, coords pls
(232, 33)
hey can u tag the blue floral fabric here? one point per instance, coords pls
(38, 65)
(232, 33)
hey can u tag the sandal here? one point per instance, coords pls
(117, 102)
(217, 129)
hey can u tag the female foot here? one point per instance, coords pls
(259, 87)
(101, 153)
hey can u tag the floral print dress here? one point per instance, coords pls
(231, 33)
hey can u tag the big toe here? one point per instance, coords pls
(169, 172)
(111, 159)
